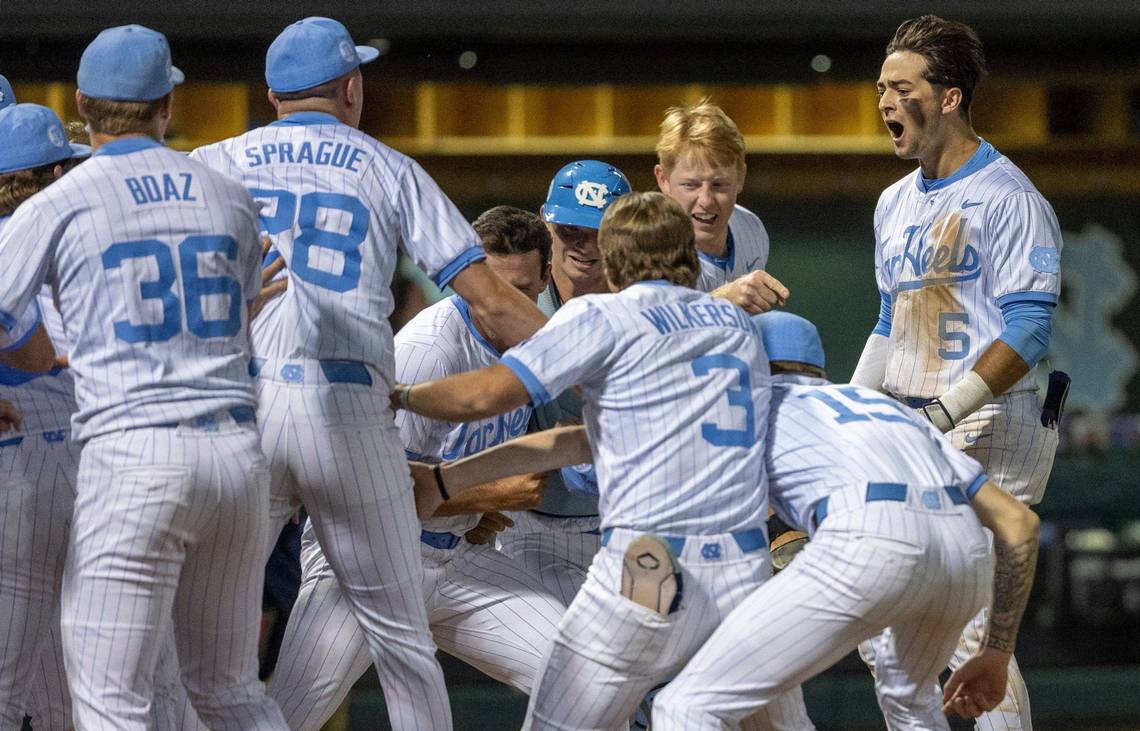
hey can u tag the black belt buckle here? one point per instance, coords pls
(1055, 396)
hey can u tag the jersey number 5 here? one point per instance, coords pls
(310, 237)
(194, 288)
(740, 397)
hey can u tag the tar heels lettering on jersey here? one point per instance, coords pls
(936, 254)
(949, 254)
(477, 436)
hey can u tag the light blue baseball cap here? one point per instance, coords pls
(581, 192)
(790, 337)
(310, 52)
(128, 63)
(7, 96)
(34, 136)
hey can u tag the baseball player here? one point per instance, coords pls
(337, 204)
(674, 386)
(895, 548)
(557, 540)
(38, 463)
(484, 608)
(967, 262)
(700, 164)
(151, 276)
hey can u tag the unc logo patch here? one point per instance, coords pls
(293, 373)
(1045, 259)
(54, 437)
(710, 551)
(591, 194)
(931, 499)
(55, 137)
(347, 52)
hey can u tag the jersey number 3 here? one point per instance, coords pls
(740, 397)
(194, 288)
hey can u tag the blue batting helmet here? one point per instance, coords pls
(581, 191)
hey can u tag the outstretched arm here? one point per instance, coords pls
(464, 396)
(978, 685)
(539, 452)
(755, 292)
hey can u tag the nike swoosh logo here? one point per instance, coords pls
(753, 263)
(971, 438)
(969, 204)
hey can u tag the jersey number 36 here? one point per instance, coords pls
(194, 287)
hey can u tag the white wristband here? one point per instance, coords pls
(964, 398)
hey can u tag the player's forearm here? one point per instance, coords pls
(539, 452)
(492, 300)
(465, 396)
(1000, 367)
(510, 493)
(1016, 531)
(37, 355)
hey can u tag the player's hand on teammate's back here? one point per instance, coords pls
(489, 525)
(9, 416)
(270, 287)
(755, 292)
(978, 685)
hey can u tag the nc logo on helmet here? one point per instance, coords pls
(55, 137)
(347, 52)
(592, 194)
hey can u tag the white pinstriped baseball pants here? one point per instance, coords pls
(168, 529)
(1017, 453)
(483, 608)
(609, 652)
(557, 550)
(37, 495)
(335, 449)
(906, 575)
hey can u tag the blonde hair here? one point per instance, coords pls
(647, 236)
(703, 129)
(110, 117)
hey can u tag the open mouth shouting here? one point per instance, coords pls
(895, 129)
(704, 219)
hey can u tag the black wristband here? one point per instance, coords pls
(439, 482)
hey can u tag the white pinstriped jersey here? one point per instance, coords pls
(823, 438)
(442, 341)
(46, 401)
(337, 204)
(949, 254)
(152, 258)
(747, 252)
(675, 393)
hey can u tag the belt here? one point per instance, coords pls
(892, 491)
(52, 437)
(240, 415)
(335, 371)
(749, 540)
(446, 541)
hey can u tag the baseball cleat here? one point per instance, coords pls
(650, 575)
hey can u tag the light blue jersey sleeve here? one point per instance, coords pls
(567, 351)
(26, 324)
(1025, 241)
